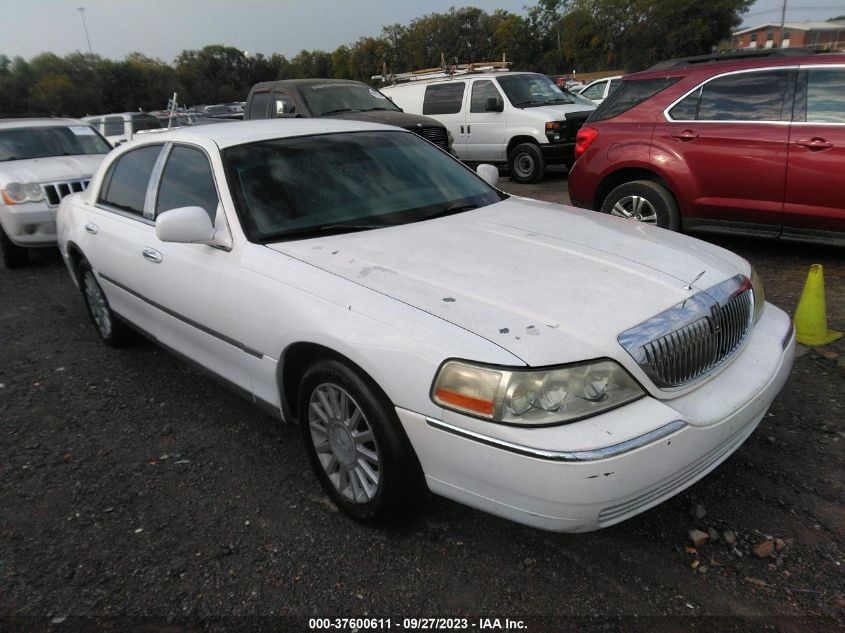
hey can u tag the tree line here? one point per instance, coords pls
(554, 37)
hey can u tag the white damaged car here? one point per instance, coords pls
(41, 161)
(556, 367)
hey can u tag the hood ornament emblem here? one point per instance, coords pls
(688, 287)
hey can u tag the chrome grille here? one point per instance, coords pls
(682, 344)
(55, 191)
(436, 135)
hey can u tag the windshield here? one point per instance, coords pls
(529, 90)
(335, 183)
(335, 98)
(41, 142)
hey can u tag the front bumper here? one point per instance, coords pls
(600, 471)
(556, 153)
(31, 224)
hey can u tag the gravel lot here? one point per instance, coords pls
(139, 494)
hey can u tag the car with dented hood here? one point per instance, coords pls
(553, 366)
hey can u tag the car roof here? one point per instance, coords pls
(728, 65)
(42, 122)
(306, 82)
(240, 132)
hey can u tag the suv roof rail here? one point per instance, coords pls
(731, 55)
(444, 71)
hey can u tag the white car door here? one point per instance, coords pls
(192, 288)
(445, 102)
(116, 231)
(486, 129)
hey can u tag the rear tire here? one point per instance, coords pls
(645, 201)
(113, 331)
(526, 163)
(356, 444)
(13, 256)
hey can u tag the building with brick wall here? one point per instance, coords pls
(811, 35)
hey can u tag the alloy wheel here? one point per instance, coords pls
(635, 208)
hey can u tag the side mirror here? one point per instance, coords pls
(494, 105)
(185, 225)
(488, 173)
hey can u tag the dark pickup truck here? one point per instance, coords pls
(341, 99)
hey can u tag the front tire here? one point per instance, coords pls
(645, 201)
(13, 256)
(526, 163)
(111, 329)
(355, 443)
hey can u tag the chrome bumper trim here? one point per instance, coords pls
(592, 455)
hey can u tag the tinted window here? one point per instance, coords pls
(258, 105)
(145, 122)
(752, 96)
(443, 98)
(826, 95)
(284, 105)
(126, 183)
(686, 109)
(333, 183)
(187, 181)
(481, 91)
(631, 93)
(113, 126)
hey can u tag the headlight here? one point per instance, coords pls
(759, 294)
(18, 193)
(534, 397)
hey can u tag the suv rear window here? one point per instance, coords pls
(630, 94)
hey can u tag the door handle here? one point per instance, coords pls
(815, 143)
(462, 129)
(91, 228)
(686, 135)
(151, 255)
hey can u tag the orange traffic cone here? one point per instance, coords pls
(811, 317)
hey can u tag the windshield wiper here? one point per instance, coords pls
(339, 110)
(560, 101)
(314, 231)
(458, 208)
(525, 103)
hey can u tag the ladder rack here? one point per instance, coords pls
(445, 71)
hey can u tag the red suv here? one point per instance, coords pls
(752, 146)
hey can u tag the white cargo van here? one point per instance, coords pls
(522, 120)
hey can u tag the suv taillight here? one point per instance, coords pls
(584, 138)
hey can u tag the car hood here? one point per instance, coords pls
(50, 169)
(559, 111)
(550, 284)
(389, 117)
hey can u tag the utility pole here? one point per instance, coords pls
(782, 20)
(84, 26)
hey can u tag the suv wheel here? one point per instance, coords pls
(526, 163)
(645, 201)
(13, 256)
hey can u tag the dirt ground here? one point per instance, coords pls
(136, 494)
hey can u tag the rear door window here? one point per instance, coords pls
(126, 182)
(746, 96)
(444, 98)
(113, 126)
(258, 105)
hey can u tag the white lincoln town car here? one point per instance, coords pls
(562, 369)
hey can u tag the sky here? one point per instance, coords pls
(163, 28)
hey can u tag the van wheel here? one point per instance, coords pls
(355, 443)
(13, 256)
(526, 163)
(645, 201)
